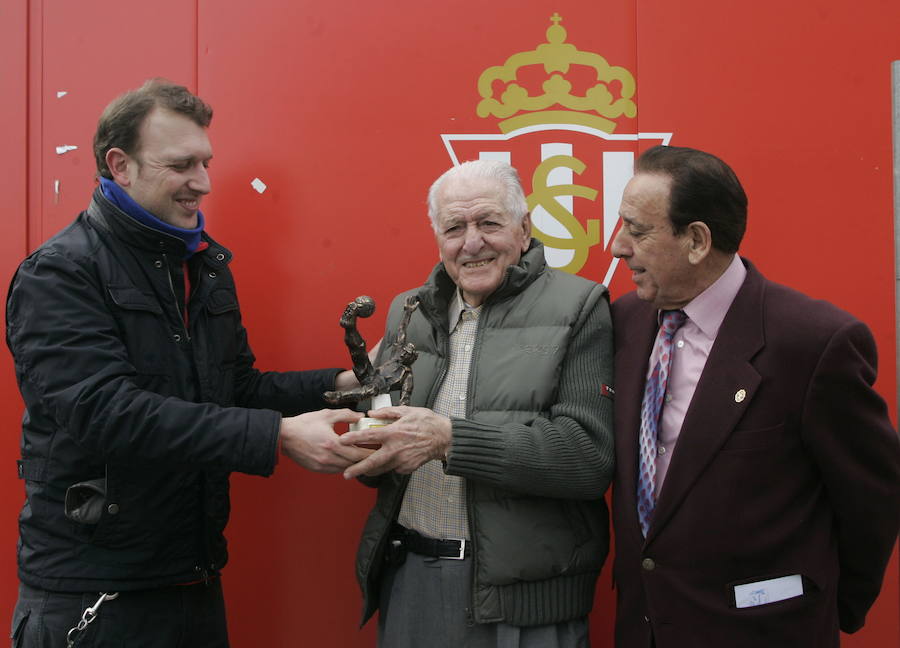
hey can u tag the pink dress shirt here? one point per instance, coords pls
(690, 349)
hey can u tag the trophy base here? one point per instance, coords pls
(364, 424)
(379, 401)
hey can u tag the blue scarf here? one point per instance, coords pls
(117, 196)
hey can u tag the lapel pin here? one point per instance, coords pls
(740, 395)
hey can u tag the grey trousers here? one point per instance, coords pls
(424, 604)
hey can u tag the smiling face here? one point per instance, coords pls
(167, 175)
(659, 259)
(477, 238)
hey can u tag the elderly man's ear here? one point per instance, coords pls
(526, 230)
(699, 240)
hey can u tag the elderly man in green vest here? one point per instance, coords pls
(490, 527)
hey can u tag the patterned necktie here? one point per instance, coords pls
(651, 407)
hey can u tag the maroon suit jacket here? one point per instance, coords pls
(800, 476)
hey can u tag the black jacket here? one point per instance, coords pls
(116, 385)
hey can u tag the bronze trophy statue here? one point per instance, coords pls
(393, 373)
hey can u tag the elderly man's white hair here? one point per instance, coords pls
(506, 176)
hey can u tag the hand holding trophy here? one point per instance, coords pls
(406, 437)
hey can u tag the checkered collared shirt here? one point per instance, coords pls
(435, 503)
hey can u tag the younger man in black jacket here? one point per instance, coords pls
(141, 396)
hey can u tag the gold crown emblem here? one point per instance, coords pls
(596, 108)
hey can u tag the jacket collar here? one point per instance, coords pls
(438, 291)
(106, 216)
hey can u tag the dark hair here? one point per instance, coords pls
(704, 189)
(120, 123)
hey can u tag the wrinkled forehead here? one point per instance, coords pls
(470, 196)
(464, 189)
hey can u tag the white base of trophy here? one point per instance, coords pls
(381, 400)
(366, 422)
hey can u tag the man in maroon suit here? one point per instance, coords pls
(757, 495)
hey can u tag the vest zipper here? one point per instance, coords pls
(470, 513)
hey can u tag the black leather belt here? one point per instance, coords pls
(452, 549)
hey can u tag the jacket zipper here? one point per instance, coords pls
(469, 497)
(203, 572)
(178, 309)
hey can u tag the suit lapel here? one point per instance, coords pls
(635, 335)
(725, 390)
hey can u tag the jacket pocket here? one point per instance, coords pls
(19, 621)
(142, 329)
(130, 298)
(748, 440)
(85, 501)
(581, 530)
(90, 510)
(221, 301)
(759, 599)
(224, 324)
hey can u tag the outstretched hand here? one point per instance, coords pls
(415, 436)
(310, 440)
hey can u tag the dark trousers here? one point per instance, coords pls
(184, 616)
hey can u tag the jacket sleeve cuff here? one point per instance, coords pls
(476, 449)
(261, 443)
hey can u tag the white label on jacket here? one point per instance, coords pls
(768, 591)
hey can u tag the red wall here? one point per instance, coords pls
(13, 223)
(339, 109)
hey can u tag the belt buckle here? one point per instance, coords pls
(462, 549)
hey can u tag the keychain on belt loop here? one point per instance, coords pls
(88, 617)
